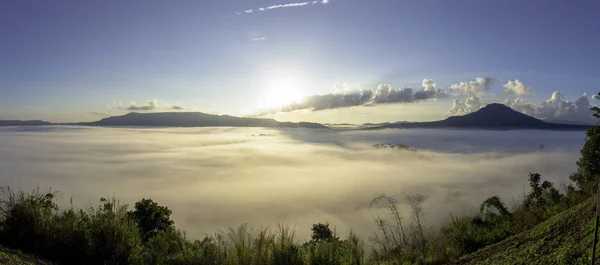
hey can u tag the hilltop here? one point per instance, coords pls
(195, 119)
(177, 119)
(23, 123)
(493, 116)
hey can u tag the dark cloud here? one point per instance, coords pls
(177, 107)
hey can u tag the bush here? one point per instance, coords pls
(151, 218)
(33, 223)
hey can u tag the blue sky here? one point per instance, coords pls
(62, 60)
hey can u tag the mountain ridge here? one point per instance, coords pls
(493, 116)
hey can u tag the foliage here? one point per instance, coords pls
(151, 218)
(32, 222)
(496, 203)
(588, 171)
(321, 232)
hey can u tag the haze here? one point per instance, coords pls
(213, 178)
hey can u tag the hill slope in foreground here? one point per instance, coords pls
(565, 238)
(15, 257)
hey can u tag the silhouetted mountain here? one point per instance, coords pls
(194, 119)
(590, 123)
(492, 116)
(23, 123)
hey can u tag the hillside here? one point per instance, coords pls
(15, 257)
(23, 123)
(176, 119)
(493, 116)
(565, 238)
(195, 119)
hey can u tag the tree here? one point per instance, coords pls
(596, 109)
(321, 232)
(496, 203)
(588, 171)
(151, 218)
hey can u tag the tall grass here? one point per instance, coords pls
(109, 234)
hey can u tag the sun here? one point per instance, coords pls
(282, 90)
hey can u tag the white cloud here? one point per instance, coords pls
(470, 96)
(148, 106)
(556, 108)
(100, 113)
(516, 88)
(428, 84)
(296, 4)
(286, 5)
(213, 178)
(471, 104)
(476, 88)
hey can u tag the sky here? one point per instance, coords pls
(335, 60)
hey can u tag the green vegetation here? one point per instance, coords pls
(15, 257)
(547, 227)
(565, 238)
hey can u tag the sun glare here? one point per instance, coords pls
(282, 90)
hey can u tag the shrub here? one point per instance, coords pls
(151, 218)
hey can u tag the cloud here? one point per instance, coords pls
(516, 88)
(428, 84)
(150, 105)
(476, 88)
(295, 4)
(214, 178)
(471, 104)
(471, 98)
(259, 38)
(99, 113)
(383, 94)
(285, 5)
(556, 108)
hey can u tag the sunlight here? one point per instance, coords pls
(282, 90)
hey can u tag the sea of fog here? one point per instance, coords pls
(215, 178)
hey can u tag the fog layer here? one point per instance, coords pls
(213, 178)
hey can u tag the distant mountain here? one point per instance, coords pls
(492, 116)
(570, 122)
(23, 123)
(195, 119)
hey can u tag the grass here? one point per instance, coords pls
(15, 257)
(112, 234)
(565, 238)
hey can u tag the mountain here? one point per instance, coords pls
(589, 123)
(23, 123)
(493, 116)
(195, 119)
